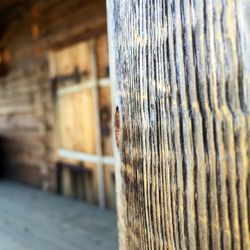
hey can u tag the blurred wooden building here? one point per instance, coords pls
(55, 97)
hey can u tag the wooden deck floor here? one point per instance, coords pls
(34, 220)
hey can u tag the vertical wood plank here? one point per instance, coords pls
(100, 172)
(181, 78)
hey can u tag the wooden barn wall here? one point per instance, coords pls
(26, 105)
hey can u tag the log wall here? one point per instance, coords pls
(26, 104)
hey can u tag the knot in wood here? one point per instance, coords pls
(117, 127)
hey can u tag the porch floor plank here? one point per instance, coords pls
(35, 220)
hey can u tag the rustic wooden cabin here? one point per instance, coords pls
(55, 97)
(181, 78)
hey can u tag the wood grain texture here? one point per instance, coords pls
(181, 75)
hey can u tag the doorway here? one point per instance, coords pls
(82, 106)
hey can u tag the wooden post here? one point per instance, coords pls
(181, 76)
(100, 175)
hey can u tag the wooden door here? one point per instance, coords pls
(83, 113)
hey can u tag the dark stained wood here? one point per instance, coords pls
(181, 76)
(10, 9)
(87, 34)
(7, 3)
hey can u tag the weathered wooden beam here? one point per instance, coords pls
(80, 156)
(181, 75)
